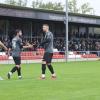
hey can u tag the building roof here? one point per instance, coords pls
(46, 10)
(31, 13)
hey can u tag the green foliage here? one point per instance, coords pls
(10, 2)
(17, 3)
(22, 3)
(48, 5)
(72, 6)
(84, 8)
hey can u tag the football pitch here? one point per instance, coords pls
(75, 81)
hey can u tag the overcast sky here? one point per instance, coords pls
(93, 3)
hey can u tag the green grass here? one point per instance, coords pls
(76, 81)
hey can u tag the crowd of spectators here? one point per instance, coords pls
(77, 42)
(84, 45)
(84, 42)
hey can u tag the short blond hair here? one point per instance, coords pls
(46, 25)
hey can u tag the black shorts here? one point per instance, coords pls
(17, 60)
(47, 57)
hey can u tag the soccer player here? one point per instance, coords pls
(16, 48)
(47, 43)
(6, 49)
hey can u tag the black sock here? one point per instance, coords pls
(51, 69)
(19, 71)
(43, 68)
(14, 69)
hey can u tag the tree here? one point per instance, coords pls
(84, 8)
(22, 3)
(17, 3)
(48, 5)
(72, 6)
(35, 4)
(10, 2)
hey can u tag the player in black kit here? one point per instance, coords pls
(16, 48)
(47, 44)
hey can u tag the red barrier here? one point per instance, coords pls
(31, 56)
(90, 56)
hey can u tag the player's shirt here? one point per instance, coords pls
(48, 42)
(16, 46)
